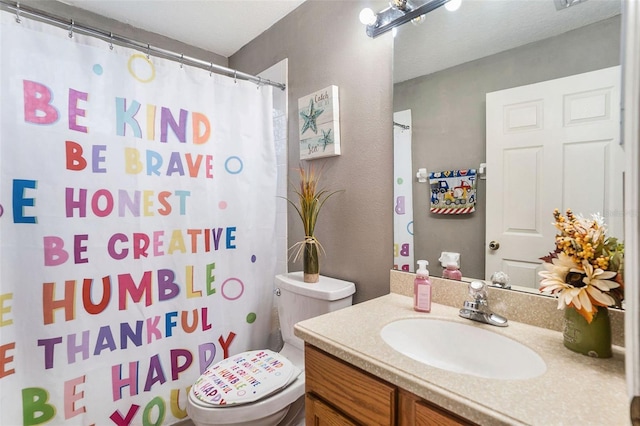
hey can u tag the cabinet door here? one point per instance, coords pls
(414, 411)
(365, 398)
(427, 415)
(320, 414)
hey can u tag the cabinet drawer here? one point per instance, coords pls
(427, 415)
(361, 396)
(320, 414)
(415, 411)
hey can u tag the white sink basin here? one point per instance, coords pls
(463, 348)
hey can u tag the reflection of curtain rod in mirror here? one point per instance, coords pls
(398, 13)
(402, 126)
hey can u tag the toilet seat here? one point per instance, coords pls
(274, 407)
(269, 409)
(244, 378)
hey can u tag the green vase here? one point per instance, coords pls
(311, 263)
(588, 339)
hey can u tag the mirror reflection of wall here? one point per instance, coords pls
(448, 106)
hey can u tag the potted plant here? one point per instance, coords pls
(311, 196)
(585, 273)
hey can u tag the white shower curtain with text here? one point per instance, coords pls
(137, 244)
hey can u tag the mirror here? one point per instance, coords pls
(443, 69)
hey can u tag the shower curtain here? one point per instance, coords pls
(137, 226)
(403, 247)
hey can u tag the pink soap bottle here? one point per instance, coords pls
(422, 288)
(452, 272)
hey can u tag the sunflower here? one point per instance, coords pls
(574, 273)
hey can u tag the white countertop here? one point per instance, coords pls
(574, 390)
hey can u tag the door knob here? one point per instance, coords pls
(494, 245)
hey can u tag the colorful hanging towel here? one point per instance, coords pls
(453, 191)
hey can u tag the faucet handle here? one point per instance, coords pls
(478, 290)
(473, 306)
(500, 279)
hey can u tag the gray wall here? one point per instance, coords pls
(448, 124)
(326, 44)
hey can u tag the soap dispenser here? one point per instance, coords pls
(422, 288)
(452, 272)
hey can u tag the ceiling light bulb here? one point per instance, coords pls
(367, 17)
(419, 20)
(453, 5)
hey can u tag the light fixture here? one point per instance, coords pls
(563, 4)
(419, 20)
(453, 5)
(398, 13)
(367, 17)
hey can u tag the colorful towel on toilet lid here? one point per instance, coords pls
(244, 378)
(453, 191)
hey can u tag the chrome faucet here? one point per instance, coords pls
(477, 307)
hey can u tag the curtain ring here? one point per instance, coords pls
(259, 83)
(235, 76)
(110, 41)
(211, 69)
(18, 20)
(181, 59)
(148, 50)
(71, 29)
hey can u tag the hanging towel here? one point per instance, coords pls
(453, 191)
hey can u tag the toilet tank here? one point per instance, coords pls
(298, 301)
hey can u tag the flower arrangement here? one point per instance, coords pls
(586, 269)
(311, 198)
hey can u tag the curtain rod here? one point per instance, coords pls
(110, 37)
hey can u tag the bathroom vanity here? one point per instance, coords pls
(354, 377)
(360, 398)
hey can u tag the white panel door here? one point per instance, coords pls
(550, 145)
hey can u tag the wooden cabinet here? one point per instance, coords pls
(356, 394)
(338, 393)
(320, 414)
(415, 411)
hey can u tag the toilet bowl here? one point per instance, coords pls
(282, 399)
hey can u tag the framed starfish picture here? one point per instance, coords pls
(319, 124)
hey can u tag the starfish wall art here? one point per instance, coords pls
(319, 124)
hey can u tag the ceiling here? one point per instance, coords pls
(218, 26)
(479, 28)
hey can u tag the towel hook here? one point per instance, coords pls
(71, 29)
(18, 20)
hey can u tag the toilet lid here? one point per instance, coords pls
(244, 378)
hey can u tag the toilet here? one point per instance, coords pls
(262, 387)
